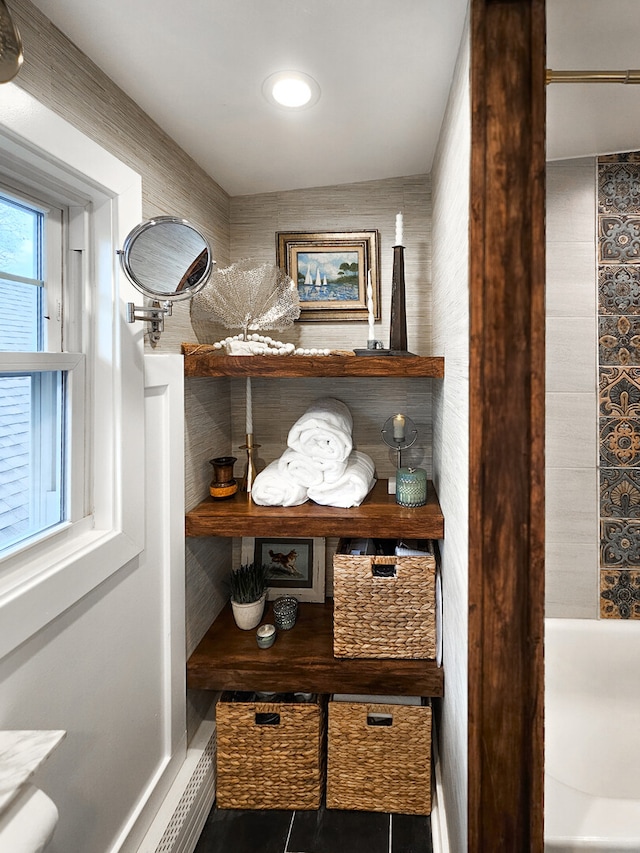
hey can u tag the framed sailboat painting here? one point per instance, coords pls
(332, 270)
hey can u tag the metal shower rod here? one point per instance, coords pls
(592, 76)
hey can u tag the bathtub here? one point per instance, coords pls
(592, 736)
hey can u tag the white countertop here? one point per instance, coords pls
(21, 753)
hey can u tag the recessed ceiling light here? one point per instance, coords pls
(292, 90)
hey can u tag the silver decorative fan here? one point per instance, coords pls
(249, 296)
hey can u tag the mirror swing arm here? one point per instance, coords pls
(167, 259)
(154, 314)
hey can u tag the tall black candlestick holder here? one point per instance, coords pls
(398, 329)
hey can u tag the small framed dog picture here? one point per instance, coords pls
(296, 566)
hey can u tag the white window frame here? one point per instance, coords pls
(70, 480)
(106, 530)
(53, 255)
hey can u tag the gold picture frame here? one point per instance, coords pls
(331, 269)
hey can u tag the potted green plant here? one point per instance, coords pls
(248, 594)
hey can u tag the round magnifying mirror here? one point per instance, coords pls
(166, 258)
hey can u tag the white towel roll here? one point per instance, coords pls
(302, 468)
(324, 431)
(352, 488)
(275, 487)
(311, 472)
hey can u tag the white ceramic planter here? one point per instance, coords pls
(248, 616)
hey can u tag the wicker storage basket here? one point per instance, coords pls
(384, 617)
(379, 768)
(261, 765)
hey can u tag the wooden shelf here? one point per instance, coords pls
(210, 364)
(301, 659)
(379, 516)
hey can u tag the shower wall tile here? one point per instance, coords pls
(619, 543)
(618, 230)
(619, 392)
(619, 340)
(620, 493)
(619, 239)
(619, 289)
(618, 188)
(571, 287)
(571, 201)
(572, 507)
(572, 442)
(620, 442)
(571, 355)
(619, 594)
(571, 589)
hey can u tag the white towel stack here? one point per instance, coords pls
(319, 462)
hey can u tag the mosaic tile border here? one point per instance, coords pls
(618, 261)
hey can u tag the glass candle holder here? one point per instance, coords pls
(411, 487)
(285, 612)
(266, 636)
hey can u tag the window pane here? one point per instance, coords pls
(31, 454)
(20, 229)
(20, 325)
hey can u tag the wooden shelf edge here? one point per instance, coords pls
(205, 364)
(378, 516)
(302, 659)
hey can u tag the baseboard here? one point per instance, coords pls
(439, 833)
(183, 813)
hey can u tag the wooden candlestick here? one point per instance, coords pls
(398, 331)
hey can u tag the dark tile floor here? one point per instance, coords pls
(322, 831)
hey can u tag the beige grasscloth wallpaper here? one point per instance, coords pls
(65, 80)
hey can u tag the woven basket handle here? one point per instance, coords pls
(377, 719)
(384, 567)
(267, 718)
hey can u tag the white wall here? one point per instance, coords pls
(450, 276)
(572, 544)
(62, 78)
(93, 617)
(110, 669)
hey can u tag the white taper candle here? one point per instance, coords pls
(370, 306)
(398, 230)
(249, 429)
(398, 427)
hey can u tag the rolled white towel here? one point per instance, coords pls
(274, 487)
(311, 472)
(352, 488)
(324, 431)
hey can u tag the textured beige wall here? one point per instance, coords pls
(349, 207)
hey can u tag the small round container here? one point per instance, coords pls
(223, 484)
(285, 612)
(411, 486)
(266, 636)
